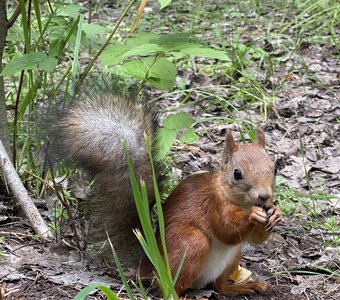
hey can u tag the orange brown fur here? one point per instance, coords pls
(210, 207)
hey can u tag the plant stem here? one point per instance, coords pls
(21, 80)
(91, 63)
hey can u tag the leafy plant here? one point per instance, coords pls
(173, 125)
(286, 198)
(60, 211)
(148, 57)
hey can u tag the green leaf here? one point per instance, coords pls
(164, 3)
(92, 30)
(164, 140)
(148, 44)
(174, 41)
(196, 50)
(178, 121)
(71, 10)
(140, 39)
(162, 74)
(189, 137)
(144, 49)
(34, 60)
(113, 54)
(89, 289)
(136, 69)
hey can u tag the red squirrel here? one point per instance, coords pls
(207, 217)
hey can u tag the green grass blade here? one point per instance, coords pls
(148, 241)
(36, 7)
(89, 289)
(158, 206)
(120, 271)
(179, 269)
(75, 63)
(25, 25)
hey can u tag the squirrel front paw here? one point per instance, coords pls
(274, 216)
(258, 215)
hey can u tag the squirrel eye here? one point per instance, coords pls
(237, 174)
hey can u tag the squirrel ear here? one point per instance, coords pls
(260, 138)
(230, 146)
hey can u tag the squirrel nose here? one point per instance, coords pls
(264, 196)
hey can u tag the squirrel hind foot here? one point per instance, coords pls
(247, 288)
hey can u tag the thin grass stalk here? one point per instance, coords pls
(158, 205)
(149, 242)
(91, 63)
(36, 7)
(75, 64)
(89, 289)
(120, 270)
(25, 25)
(49, 19)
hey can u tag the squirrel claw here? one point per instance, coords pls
(269, 226)
(270, 212)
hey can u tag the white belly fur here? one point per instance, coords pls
(217, 261)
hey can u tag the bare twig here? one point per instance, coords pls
(14, 17)
(62, 198)
(15, 120)
(21, 195)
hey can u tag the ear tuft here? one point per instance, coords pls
(230, 146)
(260, 138)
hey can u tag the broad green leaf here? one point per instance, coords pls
(148, 44)
(139, 39)
(164, 140)
(34, 60)
(71, 10)
(136, 69)
(178, 121)
(174, 41)
(196, 50)
(92, 30)
(113, 54)
(162, 74)
(189, 137)
(144, 49)
(164, 3)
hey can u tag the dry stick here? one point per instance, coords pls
(14, 17)
(22, 197)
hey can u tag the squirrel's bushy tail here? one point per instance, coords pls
(90, 134)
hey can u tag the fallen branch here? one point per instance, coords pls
(11, 177)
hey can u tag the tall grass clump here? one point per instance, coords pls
(147, 238)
